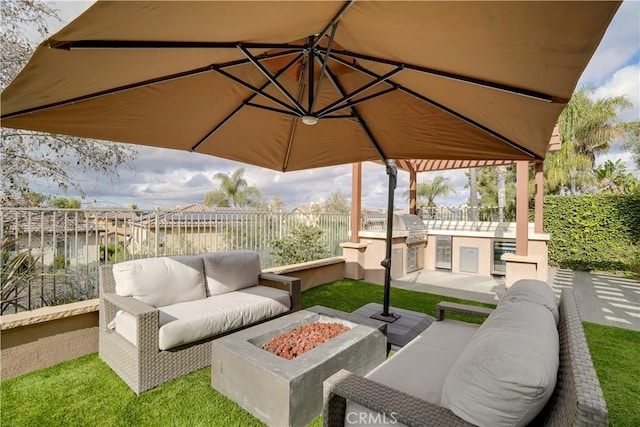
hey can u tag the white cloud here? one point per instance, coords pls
(625, 81)
(618, 47)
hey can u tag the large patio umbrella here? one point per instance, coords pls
(298, 85)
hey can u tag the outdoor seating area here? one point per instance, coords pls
(159, 315)
(527, 363)
(101, 397)
(237, 312)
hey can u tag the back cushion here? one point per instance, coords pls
(230, 271)
(535, 291)
(161, 281)
(507, 373)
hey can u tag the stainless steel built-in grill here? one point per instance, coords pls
(414, 225)
(415, 239)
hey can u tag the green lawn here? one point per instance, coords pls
(85, 392)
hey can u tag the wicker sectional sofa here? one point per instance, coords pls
(159, 315)
(528, 364)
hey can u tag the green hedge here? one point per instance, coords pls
(594, 232)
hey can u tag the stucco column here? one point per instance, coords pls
(522, 202)
(356, 201)
(539, 197)
(413, 186)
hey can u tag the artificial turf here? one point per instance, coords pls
(86, 392)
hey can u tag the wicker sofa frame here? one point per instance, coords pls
(576, 401)
(146, 366)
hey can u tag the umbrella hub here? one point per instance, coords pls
(309, 120)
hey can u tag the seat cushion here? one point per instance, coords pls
(161, 281)
(507, 373)
(192, 321)
(197, 320)
(535, 291)
(230, 271)
(420, 368)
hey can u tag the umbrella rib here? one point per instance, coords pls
(131, 86)
(275, 82)
(257, 91)
(443, 108)
(310, 76)
(340, 116)
(346, 5)
(457, 77)
(359, 119)
(266, 107)
(358, 91)
(325, 115)
(294, 124)
(151, 44)
(246, 101)
(324, 64)
(472, 123)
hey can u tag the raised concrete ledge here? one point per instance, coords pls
(524, 259)
(309, 265)
(45, 314)
(351, 245)
(382, 234)
(497, 234)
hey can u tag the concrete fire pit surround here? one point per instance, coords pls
(283, 392)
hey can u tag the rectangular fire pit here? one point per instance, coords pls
(283, 392)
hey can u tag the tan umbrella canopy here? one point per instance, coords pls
(380, 80)
(298, 85)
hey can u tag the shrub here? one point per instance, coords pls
(302, 244)
(593, 232)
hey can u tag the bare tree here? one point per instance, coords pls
(26, 156)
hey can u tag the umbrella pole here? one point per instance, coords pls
(385, 316)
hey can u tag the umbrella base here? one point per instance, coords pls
(390, 318)
(407, 325)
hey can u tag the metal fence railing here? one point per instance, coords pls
(70, 244)
(444, 214)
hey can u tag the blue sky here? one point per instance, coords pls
(167, 178)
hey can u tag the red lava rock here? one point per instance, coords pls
(303, 338)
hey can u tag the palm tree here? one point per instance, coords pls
(439, 186)
(592, 125)
(501, 172)
(234, 191)
(567, 170)
(586, 127)
(613, 177)
(473, 193)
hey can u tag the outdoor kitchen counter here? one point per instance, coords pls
(477, 247)
(480, 229)
(477, 238)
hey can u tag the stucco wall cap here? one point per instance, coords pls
(45, 314)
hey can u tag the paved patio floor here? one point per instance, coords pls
(603, 299)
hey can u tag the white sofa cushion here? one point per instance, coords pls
(161, 281)
(188, 322)
(507, 373)
(420, 368)
(535, 291)
(230, 271)
(197, 320)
